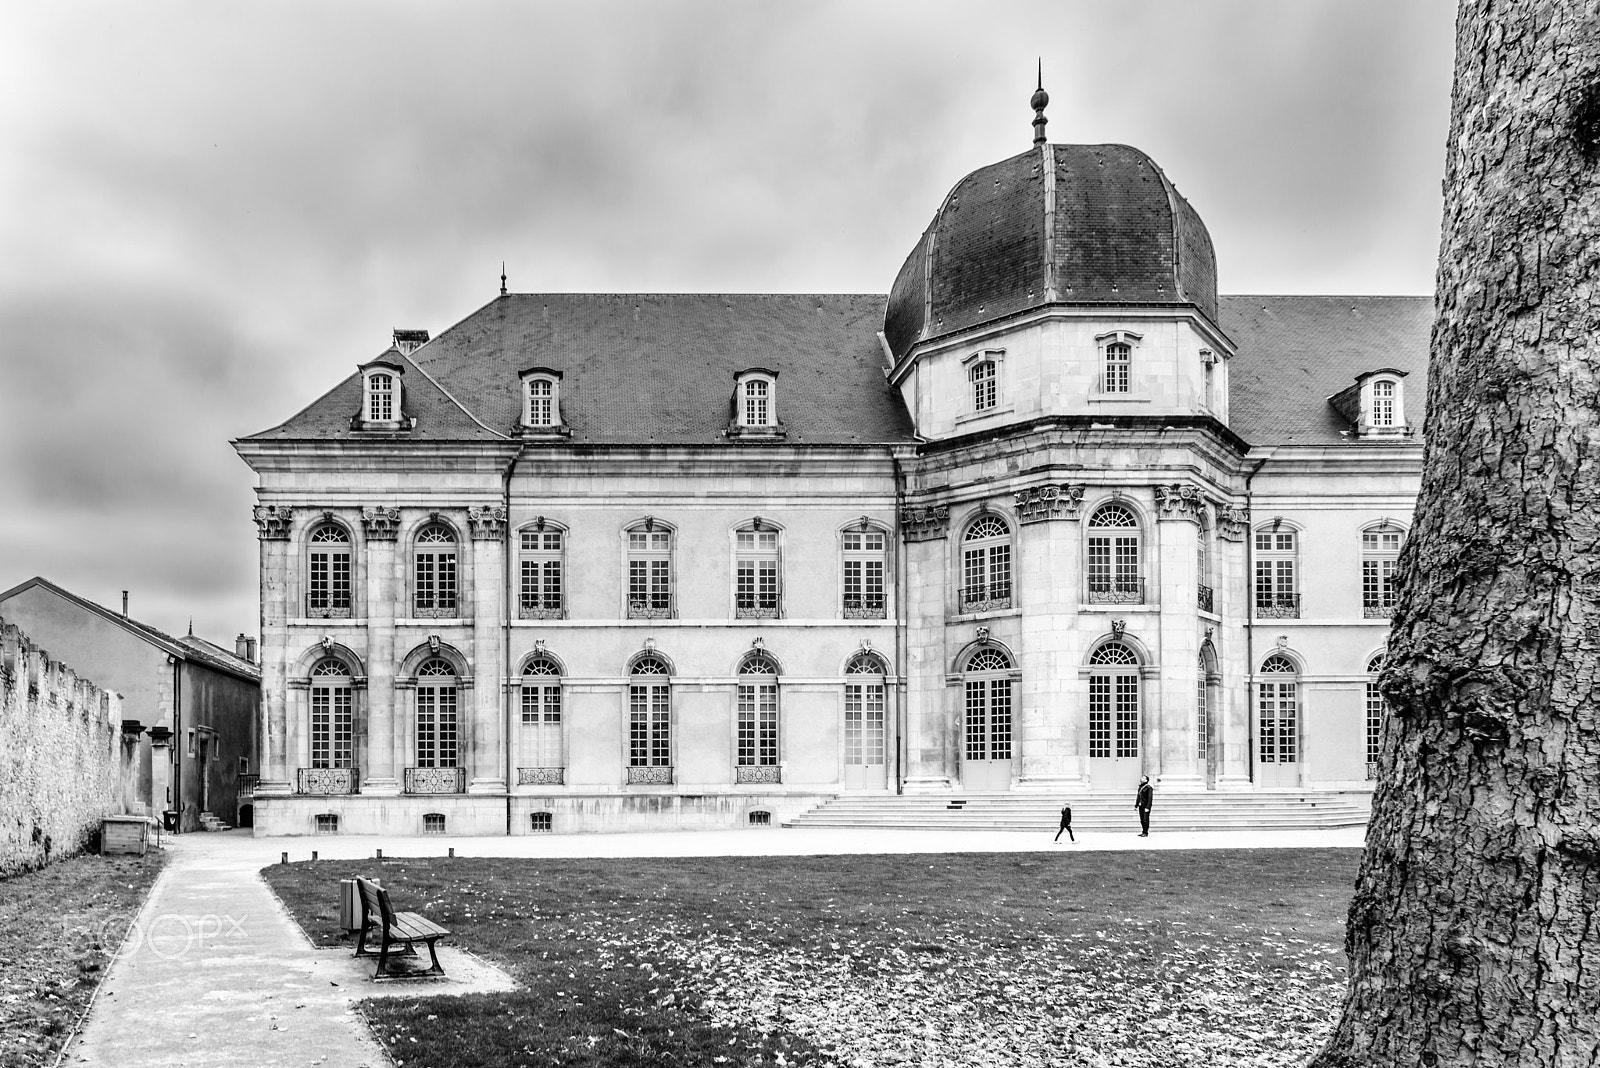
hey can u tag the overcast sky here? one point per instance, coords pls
(211, 212)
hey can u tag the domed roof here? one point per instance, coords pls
(1057, 224)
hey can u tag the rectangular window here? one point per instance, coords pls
(864, 572)
(1375, 711)
(1114, 569)
(329, 581)
(984, 393)
(758, 724)
(382, 406)
(1099, 716)
(1203, 726)
(999, 719)
(540, 741)
(756, 574)
(863, 724)
(1118, 361)
(755, 403)
(436, 582)
(1127, 715)
(436, 726)
(649, 725)
(1279, 719)
(331, 727)
(649, 574)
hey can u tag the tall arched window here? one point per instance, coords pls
(1377, 712)
(986, 564)
(864, 705)
(332, 715)
(328, 573)
(649, 571)
(1113, 557)
(435, 570)
(541, 402)
(650, 721)
(758, 572)
(1203, 707)
(988, 686)
(542, 593)
(1277, 557)
(1114, 702)
(1279, 728)
(380, 397)
(541, 748)
(436, 715)
(755, 402)
(1383, 392)
(1380, 556)
(758, 719)
(1202, 542)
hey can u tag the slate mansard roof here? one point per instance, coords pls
(658, 368)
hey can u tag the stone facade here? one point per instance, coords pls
(65, 763)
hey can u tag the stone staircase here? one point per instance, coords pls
(209, 822)
(1197, 810)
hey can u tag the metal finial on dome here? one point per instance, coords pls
(1038, 103)
(502, 278)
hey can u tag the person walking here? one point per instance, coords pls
(1142, 801)
(1066, 825)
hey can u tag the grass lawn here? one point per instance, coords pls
(58, 929)
(1098, 958)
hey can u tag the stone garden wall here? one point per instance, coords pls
(61, 763)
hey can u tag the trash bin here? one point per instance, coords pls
(169, 820)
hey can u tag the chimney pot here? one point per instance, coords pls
(124, 603)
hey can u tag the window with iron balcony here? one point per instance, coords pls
(1380, 557)
(1277, 553)
(328, 572)
(758, 572)
(1113, 555)
(541, 567)
(986, 565)
(434, 562)
(864, 567)
(650, 592)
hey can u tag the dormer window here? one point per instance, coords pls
(755, 411)
(541, 401)
(382, 394)
(1375, 405)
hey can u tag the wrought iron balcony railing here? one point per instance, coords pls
(757, 773)
(325, 608)
(542, 608)
(439, 609)
(327, 781)
(436, 780)
(1206, 598)
(986, 598)
(654, 775)
(1116, 591)
(650, 608)
(870, 606)
(1277, 606)
(541, 776)
(1378, 609)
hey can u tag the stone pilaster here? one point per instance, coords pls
(380, 774)
(277, 772)
(1171, 733)
(1231, 720)
(1049, 561)
(930, 734)
(487, 771)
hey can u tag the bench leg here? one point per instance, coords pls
(433, 955)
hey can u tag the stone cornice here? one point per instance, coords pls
(924, 524)
(1038, 504)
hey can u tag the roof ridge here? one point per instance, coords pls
(451, 396)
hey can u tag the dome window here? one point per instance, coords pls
(755, 404)
(541, 403)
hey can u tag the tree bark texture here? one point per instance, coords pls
(1474, 934)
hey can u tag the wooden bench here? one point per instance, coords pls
(403, 929)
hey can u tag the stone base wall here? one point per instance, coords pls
(393, 815)
(62, 766)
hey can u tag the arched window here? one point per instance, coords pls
(541, 754)
(758, 718)
(649, 719)
(1203, 708)
(1383, 392)
(1117, 375)
(1113, 702)
(380, 398)
(649, 571)
(988, 685)
(986, 564)
(1277, 554)
(1202, 544)
(328, 573)
(863, 567)
(435, 571)
(758, 572)
(541, 402)
(1113, 565)
(332, 715)
(542, 593)
(755, 402)
(1377, 712)
(1279, 729)
(864, 704)
(436, 715)
(1380, 556)
(984, 376)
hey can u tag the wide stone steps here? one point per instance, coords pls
(210, 822)
(1174, 811)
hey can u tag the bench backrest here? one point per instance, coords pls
(374, 903)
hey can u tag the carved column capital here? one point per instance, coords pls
(1179, 501)
(924, 524)
(272, 521)
(381, 522)
(1037, 504)
(488, 522)
(1232, 522)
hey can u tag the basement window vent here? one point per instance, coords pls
(327, 823)
(759, 818)
(540, 822)
(433, 823)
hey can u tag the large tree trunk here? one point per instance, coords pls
(1474, 936)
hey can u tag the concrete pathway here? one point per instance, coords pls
(216, 973)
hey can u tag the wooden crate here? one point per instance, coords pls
(124, 834)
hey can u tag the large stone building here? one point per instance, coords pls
(1051, 516)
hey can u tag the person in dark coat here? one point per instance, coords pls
(1066, 825)
(1142, 801)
